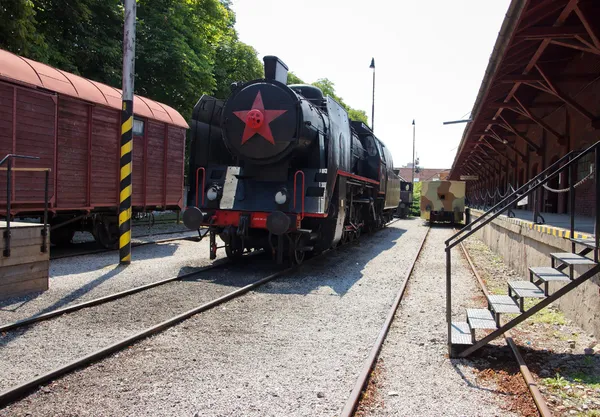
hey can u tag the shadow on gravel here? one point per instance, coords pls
(73, 296)
(94, 262)
(348, 260)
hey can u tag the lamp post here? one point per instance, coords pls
(372, 66)
(413, 162)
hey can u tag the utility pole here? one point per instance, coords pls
(372, 66)
(127, 133)
(413, 163)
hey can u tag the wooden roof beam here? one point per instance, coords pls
(591, 29)
(553, 32)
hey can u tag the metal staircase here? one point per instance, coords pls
(461, 335)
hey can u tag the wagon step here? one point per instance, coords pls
(570, 259)
(503, 304)
(461, 333)
(548, 274)
(589, 242)
(481, 318)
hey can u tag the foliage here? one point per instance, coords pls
(293, 79)
(415, 208)
(328, 88)
(184, 48)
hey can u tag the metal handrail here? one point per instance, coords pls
(302, 199)
(203, 181)
(530, 187)
(7, 233)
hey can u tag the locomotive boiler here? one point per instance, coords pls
(282, 168)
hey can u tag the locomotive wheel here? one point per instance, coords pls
(234, 250)
(297, 256)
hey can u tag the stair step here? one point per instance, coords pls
(526, 289)
(546, 274)
(589, 242)
(461, 333)
(503, 304)
(481, 318)
(568, 258)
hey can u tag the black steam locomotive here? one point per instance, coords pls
(283, 168)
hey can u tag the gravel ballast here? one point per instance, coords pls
(292, 347)
(77, 279)
(414, 375)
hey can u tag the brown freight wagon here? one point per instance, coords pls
(73, 125)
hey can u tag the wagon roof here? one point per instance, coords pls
(26, 71)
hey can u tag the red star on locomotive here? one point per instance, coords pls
(323, 182)
(257, 120)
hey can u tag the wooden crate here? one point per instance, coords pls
(26, 269)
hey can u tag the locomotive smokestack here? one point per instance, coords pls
(275, 69)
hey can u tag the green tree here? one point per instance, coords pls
(18, 31)
(415, 208)
(293, 79)
(328, 88)
(235, 61)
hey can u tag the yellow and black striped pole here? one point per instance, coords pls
(127, 134)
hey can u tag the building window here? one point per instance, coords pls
(585, 166)
(138, 127)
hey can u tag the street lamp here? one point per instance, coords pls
(413, 163)
(372, 66)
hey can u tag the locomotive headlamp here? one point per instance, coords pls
(281, 196)
(212, 193)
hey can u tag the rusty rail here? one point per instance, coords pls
(531, 384)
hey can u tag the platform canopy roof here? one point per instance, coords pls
(536, 68)
(25, 71)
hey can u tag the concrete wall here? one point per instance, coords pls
(522, 247)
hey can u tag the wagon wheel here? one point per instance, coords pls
(107, 234)
(62, 236)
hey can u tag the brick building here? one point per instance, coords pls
(537, 102)
(424, 174)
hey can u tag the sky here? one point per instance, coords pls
(430, 58)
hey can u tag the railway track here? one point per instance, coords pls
(134, 244)
(354, 399)
(105, 299)
(529, 381)
(369, 364)
(18, 391)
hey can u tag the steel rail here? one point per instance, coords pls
(135, 244)
(14, 393)
(529, 381)
(101, 300)
(10, 395)
(369, 363)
